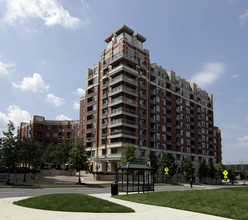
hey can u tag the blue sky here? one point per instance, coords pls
(47, 45)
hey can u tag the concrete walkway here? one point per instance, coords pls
(8, 211)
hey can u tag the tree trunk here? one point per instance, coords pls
(8, 177)
(79, 179)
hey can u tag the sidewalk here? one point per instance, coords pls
(8, 211)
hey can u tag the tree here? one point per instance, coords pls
(203, 170)
(231, 175)
(167, 160)
(128, 154)
(219, 171)
(50, 154)
(78, 159)
(57, 154)
(9, 149)
(243, 175)
(212, 171)
(154, 161)
(64, 151)
(30, 153)
(187, 167)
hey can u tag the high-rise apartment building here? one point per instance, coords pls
(130, 100)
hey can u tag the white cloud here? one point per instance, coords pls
(34, 84)
(76, 106)
(57, 101)
(240, 100)
(243, 18)
(15, 114)
(80, 92)
(5, 68)
(62, 117)
(245, 138)
(210, 73)
(235, 76)
(49, 11)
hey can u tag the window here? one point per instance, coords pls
(163, 137)
(93, 144)
(95, 80)
(158, 99)
(93, 153)
(163, 101)
(94, 125)
(55, 134)
(158, 117)
(164, 146)
(158, 136)
(163, 128)
(188, 150)
(94, 116)
(163, 119)
(103, 152)
(158, 108)
(114, 150)
(163, 110)
(47, 134)
(78, 133)
(94, 107)
(95, 70)
(188, 142)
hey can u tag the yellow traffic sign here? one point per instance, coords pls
(166, 169)
(225, 174)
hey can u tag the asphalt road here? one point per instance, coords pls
(30, 191)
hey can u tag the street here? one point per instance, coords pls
(91, 189)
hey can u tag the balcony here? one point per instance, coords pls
(123, 78)
(89, 112)
(143, 86)
(89, 121)
(123, 122)
(105, 85)
(123, 68)
(89, 103)
(105, 105)
(104, 95)
(125, 89)
(120, 111)
(127, 134)
(104, 125)
(125, 100)
(119, 56)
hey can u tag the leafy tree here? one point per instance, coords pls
(187, 167)
(219, 171)
(64, 149)
(231, 175)
(9, 149)
(167, 160)
(212, 171)
(57, 154)
(128, 154)
(243, 175)
(30, 153)
(203, 170)
(50, 154)
(78, 159)
(154, 161)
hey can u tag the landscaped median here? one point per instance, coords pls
(72, 203)
(226, 202)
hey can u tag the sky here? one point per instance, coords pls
(47, 45)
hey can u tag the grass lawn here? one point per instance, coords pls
(72, 203)
(226, 202)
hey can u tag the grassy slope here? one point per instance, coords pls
(227, 202)
(72, 203)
